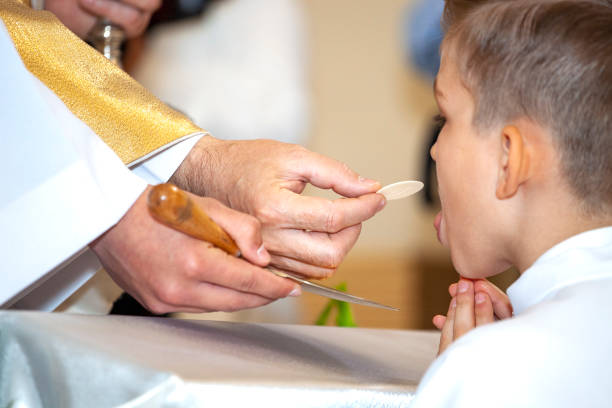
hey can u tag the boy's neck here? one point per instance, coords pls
(548, 226)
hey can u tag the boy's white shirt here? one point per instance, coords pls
(557, 349)
(62, 187)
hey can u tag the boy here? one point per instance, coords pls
(524, 165)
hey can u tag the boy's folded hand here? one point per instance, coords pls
(474, 303)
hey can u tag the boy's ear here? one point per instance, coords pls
(514, 162)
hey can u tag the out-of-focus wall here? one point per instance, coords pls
(372, 110)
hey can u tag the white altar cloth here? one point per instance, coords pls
(55, 359)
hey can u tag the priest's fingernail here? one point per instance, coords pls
(382, 204)
(262, 253)
(480, 298)
(463, 286)
(453, 303)
(297, 291)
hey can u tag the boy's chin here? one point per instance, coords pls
(470, 266)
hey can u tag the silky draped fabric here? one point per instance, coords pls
(68, 373)
(126, 116)
(65, 360)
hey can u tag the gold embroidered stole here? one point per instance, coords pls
(124, 114)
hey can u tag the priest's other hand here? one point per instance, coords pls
(473, 303)
(168, 271)
(265, 178)
(80, 15)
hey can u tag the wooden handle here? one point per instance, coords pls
(172, 206)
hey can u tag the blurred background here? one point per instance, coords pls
(351, 79)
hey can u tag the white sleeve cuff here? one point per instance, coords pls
(159, 168)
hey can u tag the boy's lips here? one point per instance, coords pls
(437, 222)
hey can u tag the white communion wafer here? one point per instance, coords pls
(400, 189)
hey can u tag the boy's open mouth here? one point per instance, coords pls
(437, 222)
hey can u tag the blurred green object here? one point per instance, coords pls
(344, 318)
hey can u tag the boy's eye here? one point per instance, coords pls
(440, 121)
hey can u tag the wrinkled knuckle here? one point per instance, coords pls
(327, 273)
(334, 257)
(463, 300)
(266, 215)
(345, 167)
(330, 221)
(336, 260)
(248, 283)
(191, 265)
(251, 227)
(169, 294)
(334, 221)
(132, 19)
(156, 307)
(300, 151)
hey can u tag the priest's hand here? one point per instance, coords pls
(80, 15)
(168, 271)
(473, 303)
(265, 178)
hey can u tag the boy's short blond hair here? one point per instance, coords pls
(549, 61)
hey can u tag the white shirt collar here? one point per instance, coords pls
(583, 257)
